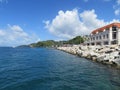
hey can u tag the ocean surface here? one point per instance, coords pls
(50, 69)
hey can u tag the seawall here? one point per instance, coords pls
(109, 55)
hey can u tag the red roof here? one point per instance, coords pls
(105, 27)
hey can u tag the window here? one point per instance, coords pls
(99, 37)
(114, 28)
(103, 36)
(106, 43)
(114, 35)
(114, 42)
(98, 43)
(107, 36)
(93, 38)
(92, 43)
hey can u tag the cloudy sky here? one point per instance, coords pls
(28, 21)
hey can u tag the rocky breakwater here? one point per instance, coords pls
(109, 55)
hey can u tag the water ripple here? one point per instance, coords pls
(50, 69)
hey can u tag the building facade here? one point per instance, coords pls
(107, 35)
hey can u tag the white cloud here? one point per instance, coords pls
(116, 7)
(15, 28)
(3, 1)
(15, 35)
(117, 12)
(118, 2)
(69, 24)
(90, 20)
(2, 33)
(65, 24)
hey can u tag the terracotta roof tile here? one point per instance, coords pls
(105, 27)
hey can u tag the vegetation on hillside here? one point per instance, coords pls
(76, 40)
(52, 43)
(47, 43)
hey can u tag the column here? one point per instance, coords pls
(110, 36)
(118, 36)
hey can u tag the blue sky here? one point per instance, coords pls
(28, 21)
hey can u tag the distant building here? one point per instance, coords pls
(107, 35)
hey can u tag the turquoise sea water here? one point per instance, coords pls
(50, 69)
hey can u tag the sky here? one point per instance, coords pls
(29, 21)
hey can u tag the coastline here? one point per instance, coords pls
(108, 55)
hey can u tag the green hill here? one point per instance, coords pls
(52, 43)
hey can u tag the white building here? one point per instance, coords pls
(107, 35)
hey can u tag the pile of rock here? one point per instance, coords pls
(105, 54)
